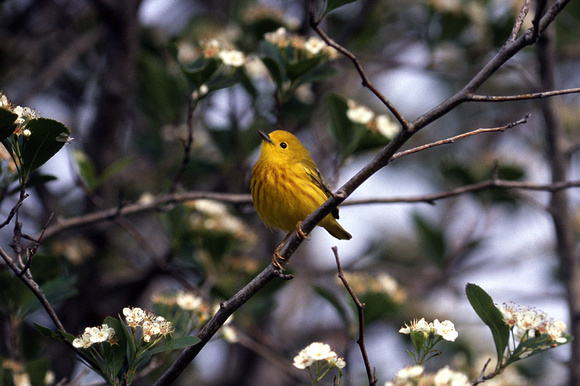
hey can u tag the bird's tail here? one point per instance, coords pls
(337, 231)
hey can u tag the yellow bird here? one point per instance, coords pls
(287, 186)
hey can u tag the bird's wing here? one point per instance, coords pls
(318, 179)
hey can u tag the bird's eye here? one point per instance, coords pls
(283, 145)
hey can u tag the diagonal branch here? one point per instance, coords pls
(380, 161)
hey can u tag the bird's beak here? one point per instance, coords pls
(265, 136)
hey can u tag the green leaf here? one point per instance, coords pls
(483, 305)
(344, 312)
(131, 345)
(46, 139)
(50, 333)
(341, 128)
(432, 238)
(87, 169)
(412, 354)
(318, 74)
(55, 290)
(201, 71)
(117, 353)
(331, 5)
(7, 125)
(418, 338)
(378, 305)
(40, 179)
(274, 70)
(175, 344)
(303, 67)
(114, 168)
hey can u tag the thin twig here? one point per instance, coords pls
(139, 207)
(13, 211)
(361, 321)
(509, 98)
(540, 7)
(482, 377)
(365, 80)
(461, 136)
(519, 21)
(476, 187)
(187, 143)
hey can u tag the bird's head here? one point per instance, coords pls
(283, 147)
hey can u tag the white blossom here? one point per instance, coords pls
(314, 45)
(317, 351)
(278, 37)
(445, 329)
(359, 114)
(409, 373)
(134, 316)
(188, 301)
(302, 360)
(448, 377)
(386, 126)
(232, 58)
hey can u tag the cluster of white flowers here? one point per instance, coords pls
(25, 114)
(151, 324)
(444, 329)
(358, 113)
(215, 216)
(184, 300)
(188, 301)
(199, 309)
(383, 124)
(318, 352)
(530, 319)
(94, 335)
(19, 375)
(218, 50)
(313, 46)
(362, 282)
(415, 375)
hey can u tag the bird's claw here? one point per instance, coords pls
(299, 232)
(276, 260)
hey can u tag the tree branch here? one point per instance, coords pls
(365, 80)
(361, 321)
(519, 21)
(140, 207)
(461, 136)
(477, 187)
(504, 54)
(508, 98)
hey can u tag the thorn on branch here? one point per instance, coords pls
(279, 274)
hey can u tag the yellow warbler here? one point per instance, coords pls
(287, 186)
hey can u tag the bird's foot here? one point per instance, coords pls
(299, 232)
(277, 259)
